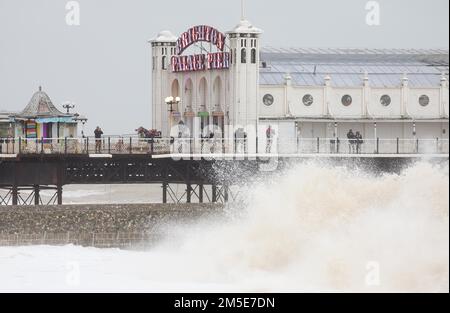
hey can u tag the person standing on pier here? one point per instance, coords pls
(212, 141)
(240, 141)
(98, 139)
(270, 134)
(359, 142)
(351, 141)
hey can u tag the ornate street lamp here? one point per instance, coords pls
(68, 106)
(171, 101)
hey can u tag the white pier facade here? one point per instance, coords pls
(217, 79)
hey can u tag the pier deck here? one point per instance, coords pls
(195, 165)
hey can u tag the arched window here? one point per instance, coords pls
(244, 56)
(164, 65)
(176, 93)
(203, 94)
(217, 94)
(253, 56)
(188, 93)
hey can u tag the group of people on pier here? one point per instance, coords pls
(355, 142)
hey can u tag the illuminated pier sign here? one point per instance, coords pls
(188, 63)
(218, 61)
(200, 33)
(200, 62)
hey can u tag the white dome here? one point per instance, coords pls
(245, 26)
(165, 36)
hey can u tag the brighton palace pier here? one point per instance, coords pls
(205, 77)
(224, 107)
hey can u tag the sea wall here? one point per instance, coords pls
(95, 225)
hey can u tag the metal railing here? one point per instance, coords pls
(118, 145)
(367, 146)
(85, 145)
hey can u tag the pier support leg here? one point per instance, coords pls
(226, 194)
(164, 189)
(15, 195)
(59, 191)
(200, 193)
(59, 183)
(214, 193)
(37, 195)
(188, 193)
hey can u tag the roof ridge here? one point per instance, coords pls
(331, 50)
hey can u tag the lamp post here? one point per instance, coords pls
(68, 106)
(171, 101)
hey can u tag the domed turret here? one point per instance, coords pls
(245, 27)
(245, 50)
(163, 49)
(165, 36)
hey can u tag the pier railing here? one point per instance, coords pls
(118, 145)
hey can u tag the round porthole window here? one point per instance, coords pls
(385, 100)
(424, 100)
(347, 100)
(308, 100)
(268, 100)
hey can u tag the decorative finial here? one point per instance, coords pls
(40, 88)
(444, 80)
(405, 80)
(242, 10)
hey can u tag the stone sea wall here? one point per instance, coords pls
(95, 225)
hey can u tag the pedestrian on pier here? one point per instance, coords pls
(351, 141)
(270, 134)
(359, 142)
(98, 139)
(212, 141)
(240, 141)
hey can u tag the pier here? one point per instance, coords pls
(208, 168)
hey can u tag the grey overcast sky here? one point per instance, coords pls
(103, 65)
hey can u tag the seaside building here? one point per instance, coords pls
(228, 79)
(40, 119)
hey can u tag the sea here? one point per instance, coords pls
(314, 228)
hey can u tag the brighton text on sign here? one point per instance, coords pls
(200, 62)
(200, 33)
